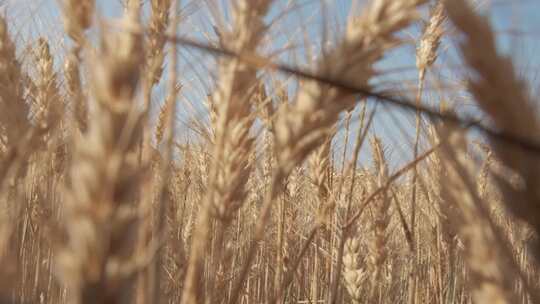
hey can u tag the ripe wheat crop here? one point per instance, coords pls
(114, 188)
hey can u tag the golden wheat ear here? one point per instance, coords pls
(233, 145)
(378, 251)
(98, 262)
(47, 101)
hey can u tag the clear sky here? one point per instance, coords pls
(516, 21)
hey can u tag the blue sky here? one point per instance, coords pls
(516, 22)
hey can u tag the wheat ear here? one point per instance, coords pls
(233, 142)
(97, 262)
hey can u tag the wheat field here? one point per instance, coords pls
(122, 182)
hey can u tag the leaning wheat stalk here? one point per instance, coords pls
(426, 55)
(490, 279)
(378, 246)
(503, 96)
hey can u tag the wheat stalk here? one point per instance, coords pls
(491, 283)
(503, 96)
(378, 246)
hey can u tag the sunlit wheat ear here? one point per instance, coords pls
(14, 116)
(378, 251)
(483, 177)
(438, 174)
(303, 125)
(353, 274)
(75, 92)
(233, 98)
(320, 168)
(47, 97)
(14, 128)
(210, 106)
(504, 97)
(97, 262)
(426, 52)
(155, 56)
(163, 114)
(77, 16)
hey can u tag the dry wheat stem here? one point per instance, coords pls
(491, 283)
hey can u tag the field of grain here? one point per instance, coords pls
(280, 189)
